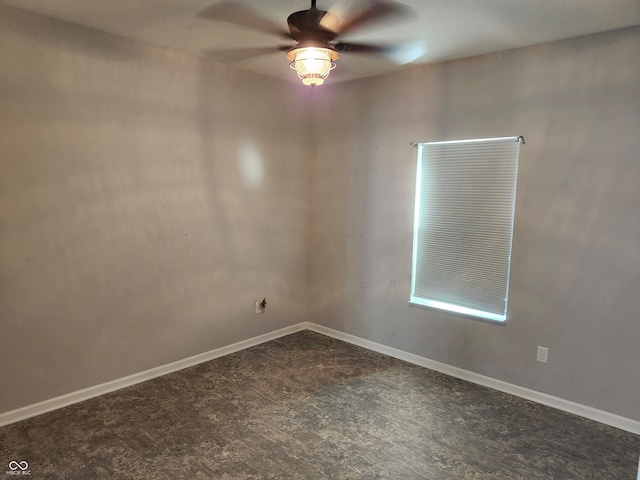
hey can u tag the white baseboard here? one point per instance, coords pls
(601, 416)
(97, 390)
(45, 406)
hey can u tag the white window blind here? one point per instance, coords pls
(463, 226)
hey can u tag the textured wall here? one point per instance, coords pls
(576, 256)
(146, 199)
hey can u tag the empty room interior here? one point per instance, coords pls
(215, 264)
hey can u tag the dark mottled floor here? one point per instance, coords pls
(310, 407)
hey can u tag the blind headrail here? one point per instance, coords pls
(518, 138)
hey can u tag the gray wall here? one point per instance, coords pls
(575, 280)
(146, 199)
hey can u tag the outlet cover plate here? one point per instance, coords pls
(543, 354)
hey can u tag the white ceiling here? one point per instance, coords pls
(440, 29)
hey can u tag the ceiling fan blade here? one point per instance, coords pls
(375, 11)
(400, 54)
(239, 14)
(239, 54)
(362, 48)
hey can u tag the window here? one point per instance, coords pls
(463, 225)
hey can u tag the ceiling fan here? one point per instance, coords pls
(314, 30)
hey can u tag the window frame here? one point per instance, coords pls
(438, 304)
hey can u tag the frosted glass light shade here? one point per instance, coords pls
(312, 64)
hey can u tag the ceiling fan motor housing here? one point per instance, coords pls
(306, 25)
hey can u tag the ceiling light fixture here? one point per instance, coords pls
(315, 32)
(312, 61)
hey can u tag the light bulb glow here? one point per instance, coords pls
(312, 64)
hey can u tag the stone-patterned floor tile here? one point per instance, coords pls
(307, 406)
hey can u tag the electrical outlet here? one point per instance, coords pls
(543, 354)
